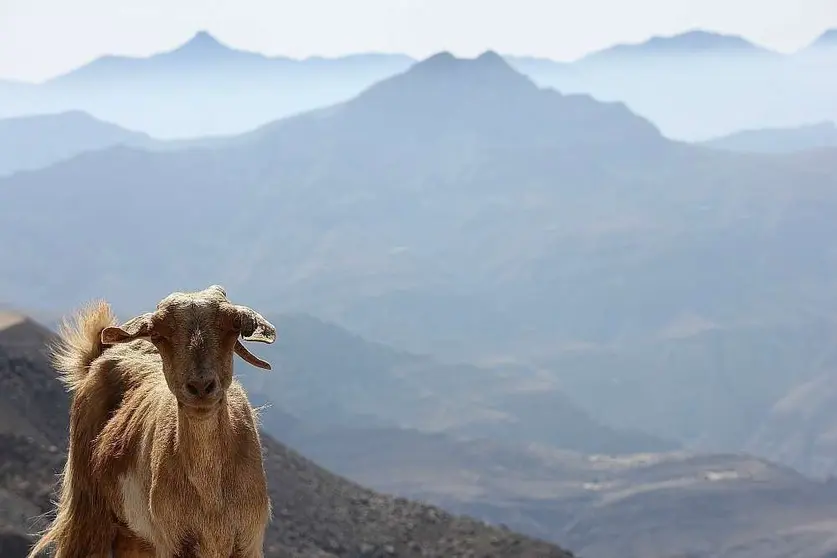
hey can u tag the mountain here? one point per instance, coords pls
(317, 514)
(826, 41)
(360, 384)
(33, 422)
(712, 387)
(693, 85)
(724, 505)
(779, 140)
(690, 43)
(458, 210)
(200, 88)
(314, 175)
(32, 142)
(202, 55)
(701, 84)
(801, 427)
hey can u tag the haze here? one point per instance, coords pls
(42, 38)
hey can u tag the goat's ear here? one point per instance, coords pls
(136, 328)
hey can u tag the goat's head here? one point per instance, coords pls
(196, 334)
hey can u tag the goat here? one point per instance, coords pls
(163, 441)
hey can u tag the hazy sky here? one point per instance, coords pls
(41, 38)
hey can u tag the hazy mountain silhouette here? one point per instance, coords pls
(828, 40)
(693, 85)
(684, 45)
(32, 142)
(779, 140)
(713, 388)
(356, 383)
(701, 84)
(202, 87)
(483, 101)
(203, 54)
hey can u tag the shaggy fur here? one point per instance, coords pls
(165, 458)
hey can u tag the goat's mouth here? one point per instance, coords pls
(199, 408)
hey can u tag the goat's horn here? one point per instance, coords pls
(254, 327)
(249, 357)
(219, 289)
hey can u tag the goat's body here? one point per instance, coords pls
(187, 487)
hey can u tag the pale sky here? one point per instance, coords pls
(42, 38)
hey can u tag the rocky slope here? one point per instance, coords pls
(630, 506)
(317, 514)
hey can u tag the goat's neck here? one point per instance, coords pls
(203, 444)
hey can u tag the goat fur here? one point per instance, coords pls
(145, 476)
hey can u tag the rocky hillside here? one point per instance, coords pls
(317, 514)
(663, 505)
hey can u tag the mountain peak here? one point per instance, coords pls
(700, 40)
(201, 43)
(827, 39)
(491, 57)
(487, 66)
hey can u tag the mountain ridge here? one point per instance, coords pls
(204, 42)
(805, 137)
(694, 42)
(28, 143)
(827, 39)
(204, 87)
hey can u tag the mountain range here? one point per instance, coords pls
(200, 88)
(457, 209)
(699, 84)
(694, 85)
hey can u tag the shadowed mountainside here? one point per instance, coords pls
(358, 383)
(629, 506)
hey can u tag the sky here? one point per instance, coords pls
(43, 38)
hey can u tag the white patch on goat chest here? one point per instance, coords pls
(135, 508)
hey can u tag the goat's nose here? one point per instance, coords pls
(201, 388)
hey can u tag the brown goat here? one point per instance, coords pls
(163, 442)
